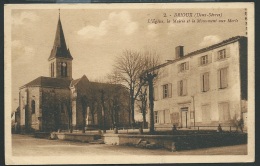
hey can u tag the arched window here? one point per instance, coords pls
(52, 69)
(63, 69)
(33, 106)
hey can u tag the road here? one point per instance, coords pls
(24, 145)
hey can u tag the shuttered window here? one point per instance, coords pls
(182, 87)
(167, 118)
(33, 106)
(155, 93)
(156, 118)
(224, 113)
(204, 60)
(167, 90)
(222, 78)
(161, 116)
(175, 118)
(183, 66)
(222, 54)
(206, 113)
(52, 69)
(205, 82)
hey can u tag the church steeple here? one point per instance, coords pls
(60, 58)
(59, 47)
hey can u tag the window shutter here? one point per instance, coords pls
(201, 82)
(184, 87)
(155, 93)
(167, 116)
(161, 116)
(209, 57)
(170, 90)
(178, 88)
(161, 93)
(219, 75)
(228, 52)
(187, 66)
(199, 61)
(215, 56)
(224, 77)
(226, 111)
(206, 81)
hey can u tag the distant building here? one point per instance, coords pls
(206, 87)
(58, 101)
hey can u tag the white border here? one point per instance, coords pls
(131, 159)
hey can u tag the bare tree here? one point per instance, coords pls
(84, 104)
(143, 104)
(68, 112)
(129, 66)
(148, 77)
(128, 69)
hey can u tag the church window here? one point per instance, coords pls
(52, 69)
(33, 106)
(64, 69)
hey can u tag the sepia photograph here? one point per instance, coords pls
(129, 83)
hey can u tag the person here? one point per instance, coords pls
(219, 128)
(241, 124)
(174, 129)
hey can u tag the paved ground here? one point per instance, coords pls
(24, 145)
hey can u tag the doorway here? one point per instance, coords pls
(184, 117)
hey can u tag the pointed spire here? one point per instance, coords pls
(59, 47)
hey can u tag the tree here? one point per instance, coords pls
(93, 100)
(129, 66)
(68, 112)
(149, 76)
(143, 104)
(84, 104)
(128, 69)
(103, 110)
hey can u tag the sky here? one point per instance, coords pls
(96, 37)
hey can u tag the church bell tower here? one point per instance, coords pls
(60, 60)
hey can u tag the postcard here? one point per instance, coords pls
(129, 83)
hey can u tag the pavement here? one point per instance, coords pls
(26, 145)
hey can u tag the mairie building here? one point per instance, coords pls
(206, 87)
(59, 101)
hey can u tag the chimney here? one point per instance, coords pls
(179, 52)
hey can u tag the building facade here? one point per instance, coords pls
(59, 102)
(206, 87)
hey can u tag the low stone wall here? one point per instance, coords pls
(77, 137)
(42, 134)
(181, 142)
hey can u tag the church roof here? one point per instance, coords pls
(84, 83)
(59, 49)
(76, 81)
(48, 82)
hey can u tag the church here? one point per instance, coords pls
(59, 102)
